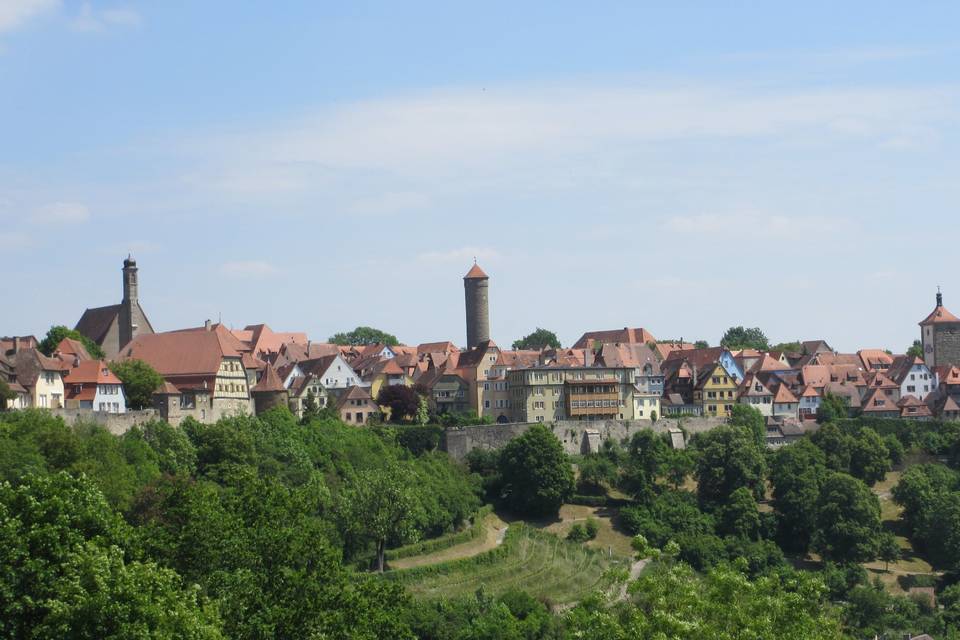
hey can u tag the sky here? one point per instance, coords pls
(678, 166)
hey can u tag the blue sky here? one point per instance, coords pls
(681, 166)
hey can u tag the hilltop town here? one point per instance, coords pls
(211, 371)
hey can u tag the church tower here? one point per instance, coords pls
(129, 305)
(475, 287)
(940, 336)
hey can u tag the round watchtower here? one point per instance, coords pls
(475, 289)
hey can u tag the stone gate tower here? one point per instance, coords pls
(128, 320)
(475, 286)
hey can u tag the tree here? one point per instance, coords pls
(701, 344)
(915, 350)
(788, 347)
(678, 466)
(729, 459)
(797, 472)
(743, 415)
(364, 336)
(847, 527)
(895, 449)
(423, 411)
(380, 505)
(739, 517)
(310, 406)
(139, 380)
(403, 401)
(596, 474)
(535, 473)
(869, 459)
(646, 458)
(6, 394)
(57, 333)
(836, 446)
(743, 338)
(888, 549)
(538, 340)
(832, 408)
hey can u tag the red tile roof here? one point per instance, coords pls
(91, 372)
(626, 335)
(938, 315)
(784, 395)
(475, 272)
(186, 352)
(269, 383)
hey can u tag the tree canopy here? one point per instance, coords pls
(139, 380)
(535, 473)
(57, 333)
(847, 526)
(364, 336)
(745, 338)
(403, 402)
(915, 350)
(539, 339)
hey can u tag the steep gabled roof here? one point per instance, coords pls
(627, 335)
(269, 383)
(901, 367)
(94, 323)
(91, 372)
(635, 355)
(939, 314)
(878, 401)
(70, 347)
(784, 395)
(179, 353)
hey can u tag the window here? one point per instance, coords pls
(348, 416)
(911, 388)
(486, 404)
(711, 394)
(716, 380)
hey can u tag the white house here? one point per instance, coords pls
(785, 404)
(809, 403)
(914, 377)
(91, 385)
(332, 371)
(41, 378)
(756, 394)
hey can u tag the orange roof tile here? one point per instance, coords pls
(784, 395)
(269, 383)
(939, 314)
(475, 272)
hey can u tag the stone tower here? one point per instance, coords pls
(129, 305)
(475, 287)
(940, 335)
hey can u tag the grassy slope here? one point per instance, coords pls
(542, 564)
(494, 525)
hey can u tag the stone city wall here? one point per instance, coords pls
(115, 423)
(577, 436)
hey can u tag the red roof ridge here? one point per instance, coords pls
(475, 272)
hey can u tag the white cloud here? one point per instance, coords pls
(16, 13)
(468, 136)
(249, 269)
(91, 20)
(61, 213)
(462, 255)
(753, 225)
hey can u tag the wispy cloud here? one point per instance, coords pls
(752, 224)
(61, 213)
(462, 255)
(249, 269)
(92, 20)
(16, 13)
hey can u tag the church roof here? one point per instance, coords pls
(94, 323)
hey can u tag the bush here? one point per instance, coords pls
(577, 533)
(592, 528)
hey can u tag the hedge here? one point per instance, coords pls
(472, 532)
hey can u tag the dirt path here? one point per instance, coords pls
(496, 531)
(635, 569)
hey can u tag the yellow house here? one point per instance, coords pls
(715, 391)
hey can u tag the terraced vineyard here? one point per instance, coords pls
(541, 564)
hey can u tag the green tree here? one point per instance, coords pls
(847, 527)
(743, 338)
(832, 408)
(423, 411)
(5, 394)
(57, 333)
(788, 347)
(311, 407)
(139, 380)
(895, 449)
(380, 505)
(739, 517)
(679, 464)
(888, 549)
(535, 473)
(836, 445)
(728, 459)
(701, 344)
(538, 340)
(364, 336)
(797, 472)
(915, 350)
(646, 459)
(596, 474)
(869, 459)
(743, 415)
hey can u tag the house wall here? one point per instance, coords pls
(915, 384)
(47, 393)
(339, 375)
(785, 409)
(763, 404)
(109, 395)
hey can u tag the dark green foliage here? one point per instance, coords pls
(596, 475)
(736, 338)
(915, 350)
(836, 446)
(743, 415)
(364, 336)
(57, 333)
(139, 379)
(646, 458)
(419, 439)
(701, 344)
(895, 449)
(847, 527)
(832, 408)
(538, 340)
(788, 347)
(797, 472)
(535, 472)
(671, 514)
(5, 394)
(729, 458)
(869, 458)
(738, 517)
(402, 400)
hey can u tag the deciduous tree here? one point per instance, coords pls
(57, 333)
(539, 339)
(535, 473)
(403, 401)
(745, 338)
(847, 525)
(729, 459)
(363, 336)
(139, 380)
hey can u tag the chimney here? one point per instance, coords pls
(206, 324)
(16, 345)
(308, 347)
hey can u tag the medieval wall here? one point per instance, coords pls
(115, 423)
(946, 345)
(576, 436)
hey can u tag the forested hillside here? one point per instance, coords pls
(268, 528)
